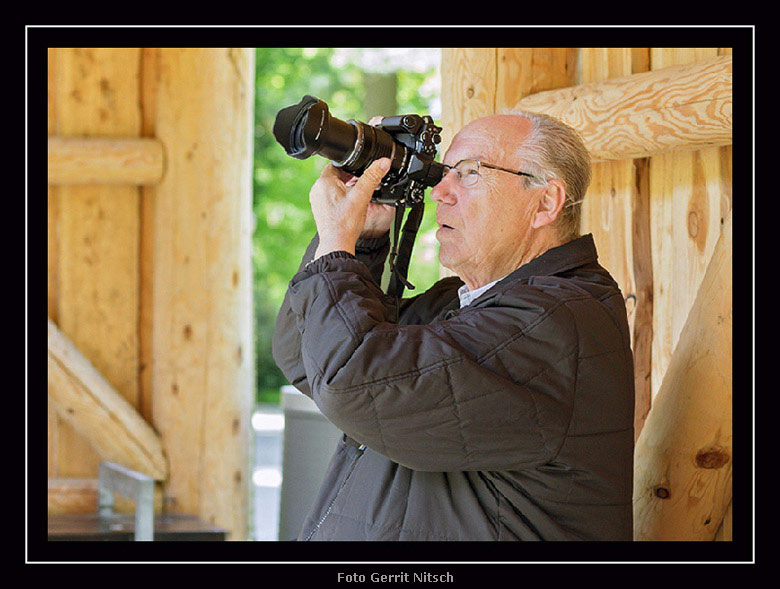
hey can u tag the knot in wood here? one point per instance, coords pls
(662, 492)
(711, 458)
(693, 224)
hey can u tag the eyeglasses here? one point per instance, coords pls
(467, 171)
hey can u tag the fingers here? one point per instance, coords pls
(366, 184)
(375, 121)
(331, 171)
(370, 179)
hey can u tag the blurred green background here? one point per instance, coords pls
(357, 83)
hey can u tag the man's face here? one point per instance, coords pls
(483, 228)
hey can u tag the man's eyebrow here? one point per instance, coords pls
(479, 157)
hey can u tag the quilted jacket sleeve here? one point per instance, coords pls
(286, 343)
(489, 389)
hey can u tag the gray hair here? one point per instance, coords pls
(553, 150)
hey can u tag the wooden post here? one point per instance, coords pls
(682, 481)
(93, 247)
(202, 374)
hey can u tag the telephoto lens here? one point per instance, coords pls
(308, 128)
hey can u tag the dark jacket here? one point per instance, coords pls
(509, 419)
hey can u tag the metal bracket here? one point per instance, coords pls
(113, 478)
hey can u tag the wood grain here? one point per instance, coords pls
(683, 458)
(468, 88)
(689, 197)
(105, 160)
(95, 93)
(675, 108)
(202, 324)
(149, 70)
(79, 496)
(523, 71)
(725, 532)
(88, 403)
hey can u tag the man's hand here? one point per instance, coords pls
(340, 205)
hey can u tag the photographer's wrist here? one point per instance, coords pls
(327, 246)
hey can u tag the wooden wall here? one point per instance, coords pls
(151, 281)
(655, 220)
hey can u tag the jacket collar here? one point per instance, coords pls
(572, 254)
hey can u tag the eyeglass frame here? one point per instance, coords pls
(480, 164)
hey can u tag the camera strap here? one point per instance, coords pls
(401, 251)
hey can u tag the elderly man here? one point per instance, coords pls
(500, 405)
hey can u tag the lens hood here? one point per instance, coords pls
(293, 122)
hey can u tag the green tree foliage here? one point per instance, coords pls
(284, 225)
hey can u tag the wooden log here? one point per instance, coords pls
(72, 496)
(690, 195)
(105, 160)
(682, 481)
(95, 92)
(80, 496)
(202, 375)
(682, 107)
(84, 399)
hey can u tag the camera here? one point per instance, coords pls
(410, 141)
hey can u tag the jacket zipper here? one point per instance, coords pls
(341, 486)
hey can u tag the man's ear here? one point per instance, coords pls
(550, 204)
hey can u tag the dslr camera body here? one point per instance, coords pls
(410, 141)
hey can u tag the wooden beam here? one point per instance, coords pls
(682, 107)
(202, 369)
(79, 495)
(70, 495)
(105, 160)
(682, 479)
(83, 397)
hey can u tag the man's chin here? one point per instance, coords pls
(446, 261)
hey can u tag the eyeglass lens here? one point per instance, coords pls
(466, 172)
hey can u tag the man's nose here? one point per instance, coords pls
(444, 191)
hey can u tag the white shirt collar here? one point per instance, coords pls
(467, 296)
